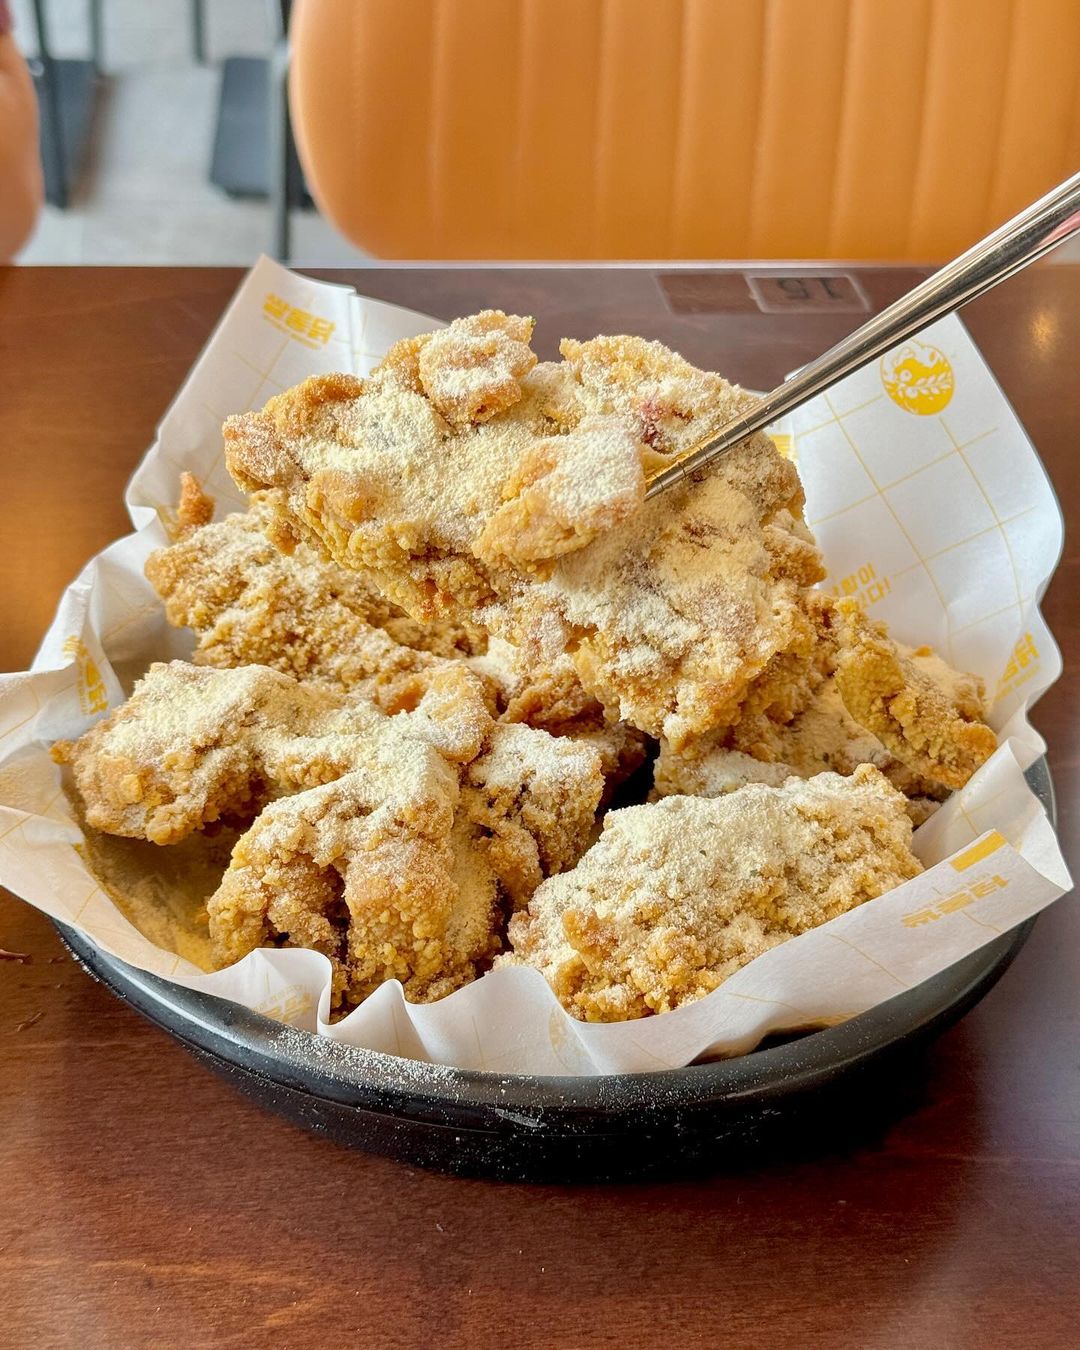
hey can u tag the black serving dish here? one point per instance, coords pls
(818, 1090)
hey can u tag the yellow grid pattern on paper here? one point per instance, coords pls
(867, 957)
(986, 498)
(895, 515)
(12, 828)
(956, 449)
(7, 731)
(836, 417)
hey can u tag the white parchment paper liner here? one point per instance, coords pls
(931, 507)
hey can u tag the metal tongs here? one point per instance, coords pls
(1035, 231)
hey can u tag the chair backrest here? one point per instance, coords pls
(879, 129)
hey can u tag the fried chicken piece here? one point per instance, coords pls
(823, 738)
(361, 841)
(554, 505)
(678, 895)
(194, 509)
(815, 711)
(533, 798)
(193, 745)
(394, 870)
(924, 713)
(365, 870)
(472, 369)
(553, 698)
(305, 615)
(671, 609)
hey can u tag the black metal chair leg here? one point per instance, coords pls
(278, 145)
(198, 30)
(97, 35)
(55, 140)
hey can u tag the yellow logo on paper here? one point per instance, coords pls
(1022, 665)
(297, 323)
(918, 378)
(864, 586)
(288, 1006)
(92, 695)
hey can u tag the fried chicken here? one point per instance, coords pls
(533, 798)
(390, 843)
(444, 631)
(553, 699)
(362, 869)
(192, 746)
(833, 715)
(922, 711)
(400, 869)
(823, 738)
(471, 485)
(305, 615)
(678, 895)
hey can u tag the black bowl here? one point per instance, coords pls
(819, 1089)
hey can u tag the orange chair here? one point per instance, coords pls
(682, 128)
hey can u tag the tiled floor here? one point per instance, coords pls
(144, 195)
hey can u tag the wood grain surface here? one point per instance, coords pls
(144, 1203)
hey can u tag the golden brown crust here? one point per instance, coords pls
(391, 844)
(823, 708)
(251, 605)
(362, 870)
(534, 799)
(678, 895)
(671, 609)
(194, 745)
(927, 723)
(553, 699)
(195, 507)
(550, 508)
(473, 368)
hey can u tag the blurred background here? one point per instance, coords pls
(543, 129)
(165, 111)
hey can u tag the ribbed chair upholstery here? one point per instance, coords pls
(876, 129)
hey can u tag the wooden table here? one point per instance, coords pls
(143, 1203)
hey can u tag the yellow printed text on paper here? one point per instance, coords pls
(297, 323)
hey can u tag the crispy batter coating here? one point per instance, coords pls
(825, 714)
(823, 738)
(307, 616)
(531, 522)
(401, 868)
(192, 746)
(251, 605)
(551, 505)
(362, 869)
(472, 369)
(678, 895)
(533, 798)
(390, 843)
(553, 698)
(924, 713)
(194, 509)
